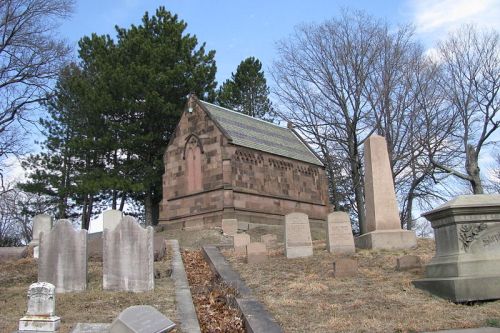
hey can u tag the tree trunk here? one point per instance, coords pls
(472, 167)
(356, 172)
(122, 201)
(148, 208)
(114, 199)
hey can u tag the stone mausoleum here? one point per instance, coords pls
(223, 164)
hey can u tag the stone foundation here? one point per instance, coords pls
(387, 239)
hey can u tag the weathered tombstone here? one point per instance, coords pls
(382, 228)
(256, 253)
(40, 316)
(63, 257)
(160, 248)
(41, 223)
(111, 218)
(466, 266)
(240, 242)
(269, 239)
(229, 227)
(339, 238)
(128, 257)
(345, 268)
(408, 262)
(298, 241)
(141, 319)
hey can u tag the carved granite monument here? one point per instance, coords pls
(298, 241)
(466, 266)
(63, 257)
(128, 257)
(382, 228)
(40, 316)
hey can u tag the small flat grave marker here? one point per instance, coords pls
(345, 268)
(256, 253)
(141, 319)
(408, 262)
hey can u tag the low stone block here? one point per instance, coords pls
(229, 227)
(256, 253)
(269, 239)
(345, 268)
(141, 319)
(240, 242)
(160, 248)
(193, 224)
(13, 253)
(387, 239)
(405, 263)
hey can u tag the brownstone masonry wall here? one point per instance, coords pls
(179, 201)
(207, 178)
(266, 183)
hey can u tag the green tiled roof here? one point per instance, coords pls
(260, 135)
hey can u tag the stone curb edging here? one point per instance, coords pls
(257, 318)
(187, 313)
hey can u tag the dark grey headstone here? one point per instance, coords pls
(141, 319)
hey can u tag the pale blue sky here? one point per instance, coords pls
(239, 29)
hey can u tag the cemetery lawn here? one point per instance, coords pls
(304, 297)
(92, 306)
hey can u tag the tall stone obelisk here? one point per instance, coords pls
(383, 226)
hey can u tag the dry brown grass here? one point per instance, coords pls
(92, 306)
(304, 297)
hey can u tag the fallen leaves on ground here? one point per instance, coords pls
(211, 299)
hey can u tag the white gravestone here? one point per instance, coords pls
(111, 218)
(41, 223)
(63, 257)
(40, 316)
(141, 319)
(298, 241)
(339, 238)
(128, 257)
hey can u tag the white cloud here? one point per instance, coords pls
(441, 16)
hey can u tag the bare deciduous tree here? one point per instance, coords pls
(324, 71)
(30, 58)
(471, 64)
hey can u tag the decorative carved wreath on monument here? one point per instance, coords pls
(469, 232)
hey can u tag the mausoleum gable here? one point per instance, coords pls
(246, 131)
